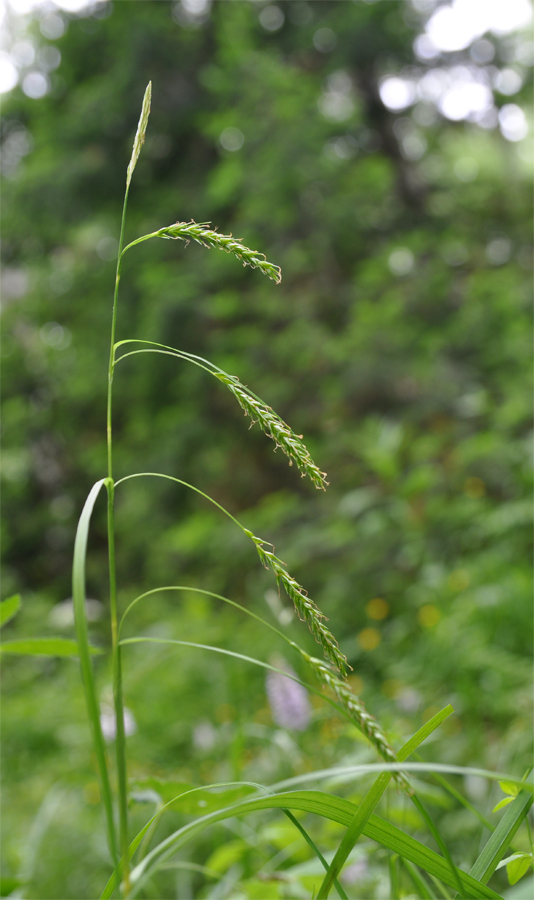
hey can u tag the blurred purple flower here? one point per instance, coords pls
(288, 700)
(355, 872)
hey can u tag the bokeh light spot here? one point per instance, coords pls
(35, 85)
(401, 261)
(271, 18)
(232, 139)
(429, 615)
(324, 40)
(377, 608)
(369, 638)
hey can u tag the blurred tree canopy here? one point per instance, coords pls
(398, 342)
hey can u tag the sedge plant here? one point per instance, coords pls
(134, 861)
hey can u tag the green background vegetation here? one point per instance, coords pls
(412, 391)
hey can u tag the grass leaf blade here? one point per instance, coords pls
(331, 807)
(494, 849)
(80, 619)
(9, 608)
(371, 799)
(315, 849)
(44, 647)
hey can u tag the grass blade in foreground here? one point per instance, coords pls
(80, 618)
(370, 801)
(420, 885)
(316, 850)
(439, 841)
(330, 807)
(497, 844)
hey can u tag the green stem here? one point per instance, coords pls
(112, 341)
(120, 739)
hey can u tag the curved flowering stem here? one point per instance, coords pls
(210, 238)
(274, 427)
(348, 703)
(269, 421)
(356, 711)
(305, 608)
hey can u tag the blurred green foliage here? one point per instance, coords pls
(398, 343)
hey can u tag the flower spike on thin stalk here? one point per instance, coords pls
(305, 608)
(356, 710)
(140, 133)
(274, 427)
(210, 237)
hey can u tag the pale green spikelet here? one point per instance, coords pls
(305, 608)
(210, 237)
(140, 133)
(357, 712)
(274, 427)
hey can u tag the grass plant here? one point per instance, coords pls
(134, 861)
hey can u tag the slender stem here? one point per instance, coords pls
(120, 740)
(112, 341)
(120, 737)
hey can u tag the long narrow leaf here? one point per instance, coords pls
(461, 799)
(498, 842)
(243, 658)
(9, 608)
(370, 801)
(420, 885)
(175, 801)
(80, 619)
(440, 842)
(318, 803)
(44, 647)
(347, 773)
(316, 851)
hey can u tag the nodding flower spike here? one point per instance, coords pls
(274, 427)
(357, 712)
(140, 133)
(305, 608)
(210, 237)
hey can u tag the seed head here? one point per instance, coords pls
(140, 133)
(305, 608)
(274, 427)
(210, 237)
(357, 713)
